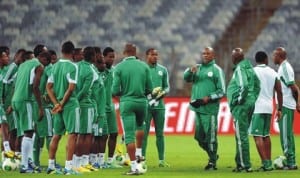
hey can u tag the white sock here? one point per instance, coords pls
(80, 163)
(110, 159)
(6, 146)
(74, 160)
(138, 152)
(85, 160)
(68, 165)
(101, 158)
(133, 165)
(93, 158)
(26, 148)
(51, 164)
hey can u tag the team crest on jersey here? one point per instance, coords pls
(210, 74)
(160, 73)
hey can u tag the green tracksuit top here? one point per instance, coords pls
(9, 83)
(132, 80)
(98, 93)
(84, 83)
(43, 82)
(107, 77)
(209, 81)
(244, 85)
(160, 78)
(3, 71)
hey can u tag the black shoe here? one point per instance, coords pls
(262, 168)
(132, 173)
(140, 159)
(242, 169)
(210, 166)
(293, 167)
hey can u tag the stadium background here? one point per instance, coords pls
(179, 29)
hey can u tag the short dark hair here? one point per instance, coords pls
(261, 56)
(149, 50)
(97, 49)
(46, 55)
(26, 55)
(67, 47)
(4, 49)
(38, 49)
(108, 50)
(77, 50)
(52, 52)
(89, 53)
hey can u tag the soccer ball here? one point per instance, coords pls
(18, 163)
(141, 167)
(9, 164)
(120, 159)
(279, 162)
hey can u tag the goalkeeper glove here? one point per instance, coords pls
(156, 90)
(196, 103)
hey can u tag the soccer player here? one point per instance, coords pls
(43, 128)
(60, 88)
(242, 92)
(160, 80)
(87, 110)
(132, 82)
(110, 115)
(4, 61)
(207, 90)
(261, 120)
(27, 104)
(291, 102)
(100, 129)
(9, 84)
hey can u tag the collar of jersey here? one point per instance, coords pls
(129, 58)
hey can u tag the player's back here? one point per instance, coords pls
(23, 86)
(134, 75)
(267, 77)
(63, 72)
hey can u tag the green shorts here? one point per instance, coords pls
(67, 120)
(44, 127)
(112, 121)
(87, 115)
(100, 128)
(12, 121)
(260, 125)
(3, 118)
(27, 114)
(133, 116)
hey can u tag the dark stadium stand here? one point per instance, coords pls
(178, 28)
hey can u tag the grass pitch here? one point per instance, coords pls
(186, 160)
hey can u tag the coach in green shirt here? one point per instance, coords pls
(207, 90)
(242, 92)
(132, 82)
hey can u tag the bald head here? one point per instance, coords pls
(279, 55)
(129, 50)
(208, 54)
(237, 55)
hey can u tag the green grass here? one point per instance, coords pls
(186, 159)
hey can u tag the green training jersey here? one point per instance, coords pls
(244, 85)
(3, 71)
(107, 77)
(98, 93)
(64, 72)
(46, 74)
(24, 81)
(9, 83)
(132, 80)
(160, 78)
(209, 81)
(84, 83)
